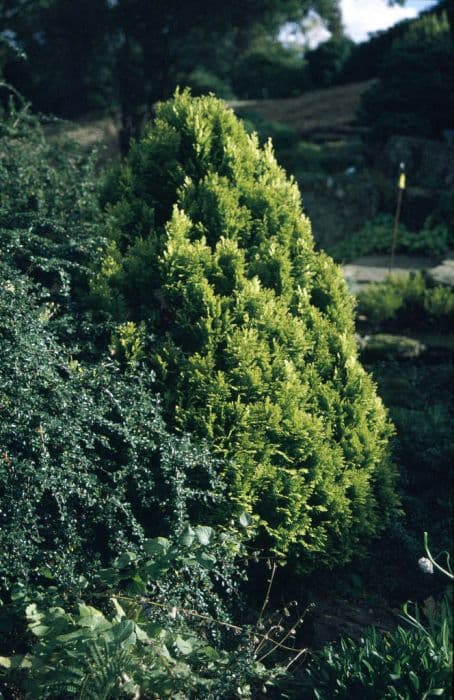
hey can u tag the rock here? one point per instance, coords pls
(375, 268)
(333, 618)
(443, 273)
(387, 345)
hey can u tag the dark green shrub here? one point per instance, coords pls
(203, 82)
(386, 345)
(283, 136)
(438, 303)
(269, 70)
(87, 466)
(326, 62)
(421, 404)
(254, 330)
(50, 219)
(382, 301)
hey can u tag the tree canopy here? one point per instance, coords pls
(415, 91)
(130, 53)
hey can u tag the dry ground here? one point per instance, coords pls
(318, 110)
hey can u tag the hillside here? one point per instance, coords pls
(330, 109)
(327, 110)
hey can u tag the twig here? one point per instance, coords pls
(289, 632)
(267, 596)
(266, 638)
(208, 618)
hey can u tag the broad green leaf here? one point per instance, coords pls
(92, 618)
(156, 546)
(120, 613)
(414, 679)
(83, 633)
(187, 537)
(125, 559)
(39, 630)
(46, 572)
(17, 661)
(155, 570)
(204, 534)
(136, 586)
(141, 635)
(184, 646)
(123, 633)
(245, 519)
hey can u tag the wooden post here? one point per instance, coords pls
(400, 191)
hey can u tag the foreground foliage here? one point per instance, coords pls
(254, 347)
(409, 663)
(144, 635)
(413, 661)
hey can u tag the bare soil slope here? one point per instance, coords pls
(319, 110)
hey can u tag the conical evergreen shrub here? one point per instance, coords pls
(254, 335)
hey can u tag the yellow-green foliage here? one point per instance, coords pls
(255, 346)
(408, 297)
(128, 341)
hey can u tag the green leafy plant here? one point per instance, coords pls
(414, 661)
(407, 664)
(254, 346)
(376, 235)
(154, 631)
(407, 300)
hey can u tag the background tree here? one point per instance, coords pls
(156, 34)
(269, 70)
(132, 53)
(415, 91)
(326, 62)
(67, 49)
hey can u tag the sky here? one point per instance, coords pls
(359, 17)
(363, 16)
